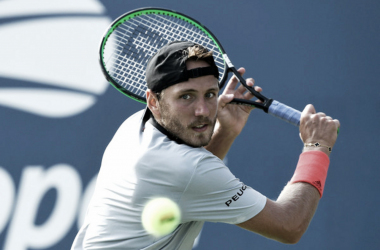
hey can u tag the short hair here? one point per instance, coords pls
(195, 53)
(198, 52)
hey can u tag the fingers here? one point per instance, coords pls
(224, 99)
(337, 123)
(234, 81)
(310, 113)
(241, 89)
(318, 127)
(308, 110)
(241, 92)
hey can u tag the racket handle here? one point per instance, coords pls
(286, 113)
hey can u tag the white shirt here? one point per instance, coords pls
(142, 163)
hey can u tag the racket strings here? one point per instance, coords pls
(125, 66)
(133, 42)
(188, 32)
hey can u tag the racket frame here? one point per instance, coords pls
(228, 66)
(143, 11)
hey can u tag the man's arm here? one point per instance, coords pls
(287, 218)
(231, 118)
(221, 142)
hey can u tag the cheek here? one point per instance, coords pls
(182, 109)
(176, 111)
(214, 107)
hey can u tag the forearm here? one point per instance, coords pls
(300, 201)
(301, 196)
(286, 219)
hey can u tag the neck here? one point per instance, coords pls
(163, 130)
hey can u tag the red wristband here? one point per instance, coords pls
(312, 168)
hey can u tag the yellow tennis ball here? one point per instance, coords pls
(160, 216)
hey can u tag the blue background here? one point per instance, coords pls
(300, 52)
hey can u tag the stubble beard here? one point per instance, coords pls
(172, 123)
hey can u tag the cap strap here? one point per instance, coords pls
(204, 71)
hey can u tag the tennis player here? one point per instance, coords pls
(175, 147)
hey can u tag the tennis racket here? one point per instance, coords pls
(134, 37)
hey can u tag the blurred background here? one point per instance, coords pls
(58, 113)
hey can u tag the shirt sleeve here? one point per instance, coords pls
(214, 194)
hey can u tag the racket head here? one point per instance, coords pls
(134, 37)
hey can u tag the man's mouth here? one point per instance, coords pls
(200, 127)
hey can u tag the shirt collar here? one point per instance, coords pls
(148, 117)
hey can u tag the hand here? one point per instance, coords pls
(232, 117)
(317, 127)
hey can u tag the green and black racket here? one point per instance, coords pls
(134, 37)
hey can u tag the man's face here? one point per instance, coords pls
(188, 110)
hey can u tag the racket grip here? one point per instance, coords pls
(286, 113)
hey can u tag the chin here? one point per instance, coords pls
(199, 141)
(197, 145)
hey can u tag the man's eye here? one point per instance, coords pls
(210, 95)
(185, 97)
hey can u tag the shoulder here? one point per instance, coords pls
(127, 135)
(131, 125)
(135, 119)
(212, 174)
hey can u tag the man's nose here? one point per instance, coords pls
(201, 108)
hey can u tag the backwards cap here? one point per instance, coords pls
(168, 67)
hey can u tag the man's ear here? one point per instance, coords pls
(153, 104)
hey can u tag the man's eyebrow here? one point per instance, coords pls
(214, 89)
(187, 90)
(194, 90)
